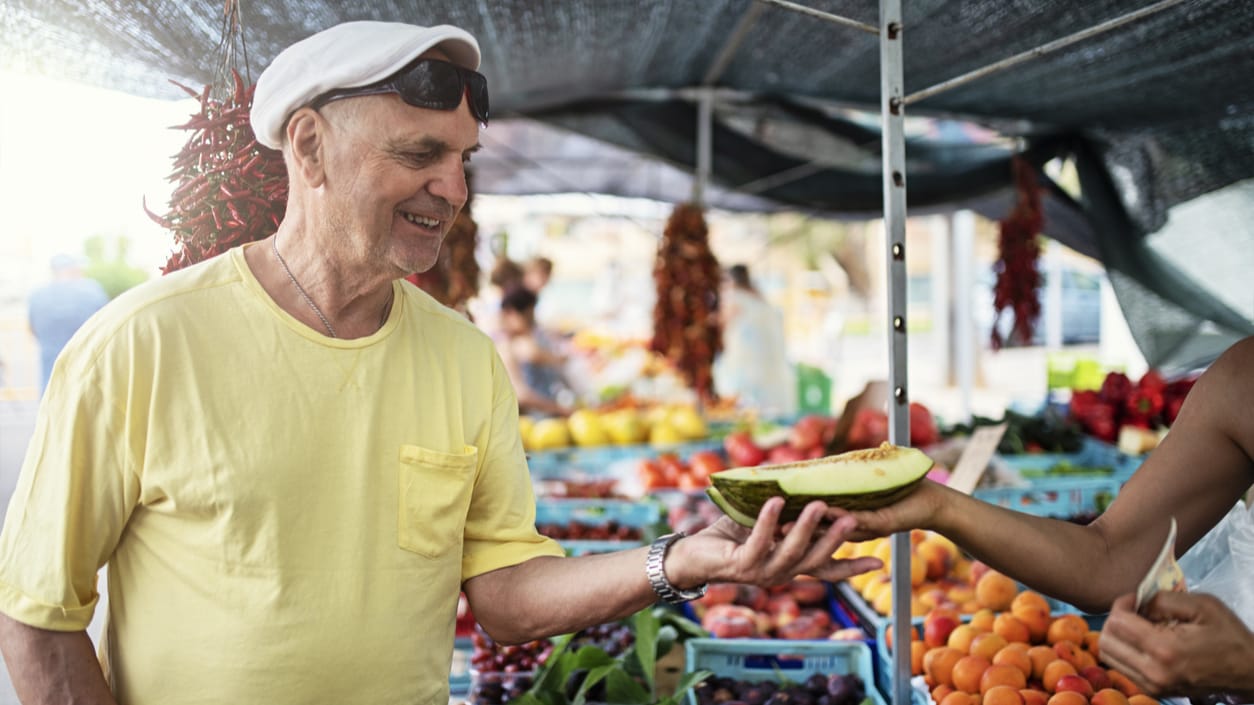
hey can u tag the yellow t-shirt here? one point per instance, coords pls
(287, 517)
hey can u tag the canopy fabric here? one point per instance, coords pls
(1158, 112)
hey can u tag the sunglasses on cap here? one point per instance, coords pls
(425, 83)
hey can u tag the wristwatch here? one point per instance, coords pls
(657, 576)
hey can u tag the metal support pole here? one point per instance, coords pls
(894, 150)
(963, 225)
(705, 116)
(733, 43)
(1042, 50)
(827, 16)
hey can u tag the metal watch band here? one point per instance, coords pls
(657, 576)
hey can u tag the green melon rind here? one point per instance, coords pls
(735, 515)
(748, 497)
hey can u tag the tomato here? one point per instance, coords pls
(706, 463)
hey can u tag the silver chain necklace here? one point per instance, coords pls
(274, 245)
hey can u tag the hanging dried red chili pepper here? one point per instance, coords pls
(1019, 251)
(686, 325)
(454, 280)
(230, 189)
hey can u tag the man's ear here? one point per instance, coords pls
(305, 132)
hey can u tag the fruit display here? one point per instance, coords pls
(793, 611)
(503, 673)
(580, 488)
(691, 513)
(578, 531)
(1023, 655)
(861, 479)
(589, 428)
(686, 325)
(1133, 415)
(1049, 432)
(939, 574)
(669, 471)
(818, 689)
(870, 428)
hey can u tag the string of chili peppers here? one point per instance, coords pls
(1018, 262)
(686, 325)
(230, 189)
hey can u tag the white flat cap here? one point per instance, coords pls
(346, 56)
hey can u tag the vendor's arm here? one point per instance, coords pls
(546, 596)
(1201, 469)
(49, 667)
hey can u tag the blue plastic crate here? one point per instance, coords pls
(1093, 453)
(459, 670)
(774, 660)
(555, 464)
(1060, 497)
(598, 512)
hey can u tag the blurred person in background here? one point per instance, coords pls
(536, 274)
(485, 309)
(754, 363)
(535, 370)
(59, 308)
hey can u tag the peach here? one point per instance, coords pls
(1141, 700)
(1068, 697)
(995, 591)
(918, 571)
(1034, 697)
(968, 672)
(987, 645)
(1123, 684)
(1054, 672)
(978, 570)
(983, 620)
(1076, 683)
(1010, 628)
(917, 651)
(1068, 627)
(1002, 695)
(1109, 696)
(939, 664)
(957, 697)
(1041, 657)
(1002, 675)
(1011, 656)
(935, 557)
(1097, 677)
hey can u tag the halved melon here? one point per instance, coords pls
(860, 479)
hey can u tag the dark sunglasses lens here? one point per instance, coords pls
(477, 85)
(431, 84)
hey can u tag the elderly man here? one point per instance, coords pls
(292, 461)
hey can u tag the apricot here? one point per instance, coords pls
(939, 664)
(1076, 683)
(915, 635)
(1123, 684)
(995, 591)
(970, 607)
(1083, 660)
(1142, 700)
(1053, 672)
(1002, 676)
(1097, 677)
(968, 672)
(1092, 644)
(1010, 628)
(1035, 618)
(917, 651)
(987, 645)
(935, 559)
(1002, 695)
(918, 571)
(941, 692)
(960, 638)
(1109, 696)
(1033, 697)
(883, 603)
(958, 697)
(1028, 598)
(1041, 657)
(1069, 652)
(1068, 697)
(1012, 656)
(961, 594)
(983, 620)
(1068, 627)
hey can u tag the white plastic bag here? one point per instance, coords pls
(1222, 563)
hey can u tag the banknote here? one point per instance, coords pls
(1164, 575)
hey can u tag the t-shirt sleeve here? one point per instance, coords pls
(501, 522)
(74, 496)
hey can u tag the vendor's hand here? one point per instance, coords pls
(1186, 644)
(765, 555)
(917, 510)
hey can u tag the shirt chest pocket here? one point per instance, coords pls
(435, 490)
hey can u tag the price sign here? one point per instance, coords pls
(974, 460)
